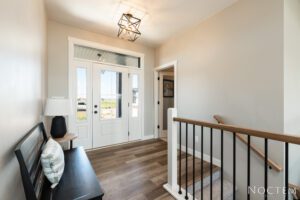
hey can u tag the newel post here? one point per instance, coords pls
(172, 149)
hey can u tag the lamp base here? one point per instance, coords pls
(58, 127)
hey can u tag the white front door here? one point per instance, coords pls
(110, 105)
(107, 103)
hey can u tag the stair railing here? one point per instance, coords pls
(181, 126)
(272, 164)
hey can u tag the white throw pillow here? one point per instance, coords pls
(53, 162)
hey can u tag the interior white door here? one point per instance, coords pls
(135, 122)
(110, 105)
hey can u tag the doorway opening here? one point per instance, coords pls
(165, 97)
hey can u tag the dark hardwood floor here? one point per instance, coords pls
(135, 171)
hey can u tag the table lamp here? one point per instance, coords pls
(57, 108)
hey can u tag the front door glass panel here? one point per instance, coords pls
(111, 95)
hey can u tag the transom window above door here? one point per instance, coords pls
(103, 56)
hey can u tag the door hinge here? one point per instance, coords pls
(128, 133)
(158, 78)
(157, 126)
(158, 102)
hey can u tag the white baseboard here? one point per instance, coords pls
(206, 157)
(148, 137)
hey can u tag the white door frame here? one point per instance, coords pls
(73, 41)
(156, 95)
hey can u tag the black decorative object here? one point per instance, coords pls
(57, 108)
(58, 127)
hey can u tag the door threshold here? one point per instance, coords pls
(113, 145)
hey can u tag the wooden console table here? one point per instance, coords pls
(69, 137)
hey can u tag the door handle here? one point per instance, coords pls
(95, 112)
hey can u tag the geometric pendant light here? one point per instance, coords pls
(129, 27)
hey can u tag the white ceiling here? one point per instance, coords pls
(165, 17)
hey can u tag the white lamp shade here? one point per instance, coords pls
(57, 107)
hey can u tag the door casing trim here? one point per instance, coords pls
(168, 65)
(72, 41)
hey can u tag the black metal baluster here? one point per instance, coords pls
(202, 164)
(248, 168)
(286, 171)
(266, 168)
(186, 161)
(234, 161)
(222, 160)
(211, 162)
(179, 192)
(193, 161)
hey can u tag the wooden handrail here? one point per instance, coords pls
(271, 163)
(293, 139)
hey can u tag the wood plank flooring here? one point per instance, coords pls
(136, 171)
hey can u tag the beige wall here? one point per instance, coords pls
(232, 65)
(292, 81)
(58, 63)
(22, 83)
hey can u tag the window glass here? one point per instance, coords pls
(81, 111)
(135, 95)
(89, 53)
(111, 95)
